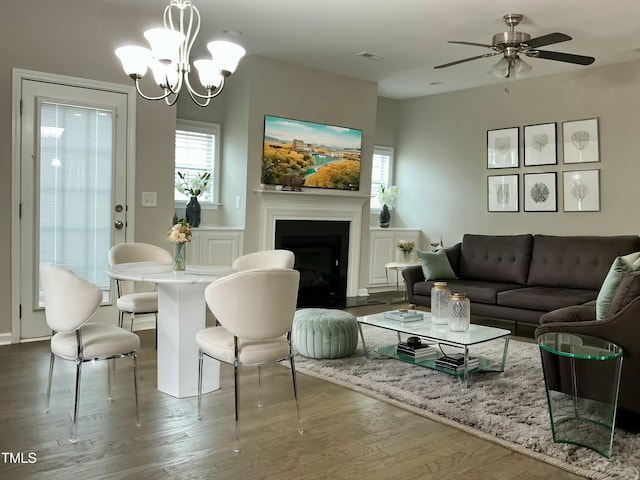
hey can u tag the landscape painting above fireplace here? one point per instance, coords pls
(298, 153)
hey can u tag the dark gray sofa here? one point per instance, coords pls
(521, 277)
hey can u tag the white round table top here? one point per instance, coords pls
(399, 265)
(164, 273)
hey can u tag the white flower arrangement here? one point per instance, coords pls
(180, 232)
(388, 195)
(195, 187)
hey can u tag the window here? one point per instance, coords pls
(198, 151)
(380, 173)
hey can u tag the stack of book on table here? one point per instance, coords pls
(417, 352)
(404, 315)
(455, 362)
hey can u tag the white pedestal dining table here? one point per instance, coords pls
(181, 314)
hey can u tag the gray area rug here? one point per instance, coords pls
(508, 408)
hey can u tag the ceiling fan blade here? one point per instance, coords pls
(561, 57)
(467, 59)
(471, 43)
(548, 39)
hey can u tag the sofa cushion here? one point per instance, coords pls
(576, 262)
(491, 258)
(475, 290)
(435, 265)
(545, 298)
(620, 268)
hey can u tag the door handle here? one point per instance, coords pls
(118, 225)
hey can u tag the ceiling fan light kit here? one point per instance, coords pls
(511, 45)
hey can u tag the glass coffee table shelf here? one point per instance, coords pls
(430, 362)
(439, 335)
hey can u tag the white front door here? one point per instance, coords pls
(73, 200)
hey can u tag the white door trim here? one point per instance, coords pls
(18, 75)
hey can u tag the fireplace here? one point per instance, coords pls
(321, 249)
(318, 205)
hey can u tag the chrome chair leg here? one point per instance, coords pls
(260, 404)
(74, 428)
(236, 447)
(135, 387)
(48, 397)
(295, 394)
(200, 361)
(110, 364)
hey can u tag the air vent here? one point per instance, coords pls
(370, 56)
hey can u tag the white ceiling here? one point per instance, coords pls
(410, 35)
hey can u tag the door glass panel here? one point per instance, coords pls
(76, 165)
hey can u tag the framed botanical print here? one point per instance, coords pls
(580, 141)
(503, 148)
(540, 192)
(540, 145)
(581, 190)
(502, 193)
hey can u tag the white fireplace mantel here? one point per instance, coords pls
(315, 205)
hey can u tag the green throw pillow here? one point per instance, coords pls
(621, 267)
(435, 265)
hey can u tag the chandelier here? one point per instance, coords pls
(168, 57)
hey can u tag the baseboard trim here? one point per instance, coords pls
(5, 338)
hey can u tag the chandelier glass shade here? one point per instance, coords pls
(169, 57)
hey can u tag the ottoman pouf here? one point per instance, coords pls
(324, 333)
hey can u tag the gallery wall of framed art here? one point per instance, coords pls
(545, 183)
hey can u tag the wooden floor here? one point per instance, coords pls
(347, 435)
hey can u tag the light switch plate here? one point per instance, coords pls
(149, 199)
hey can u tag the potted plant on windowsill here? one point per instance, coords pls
(193, 188)
(387, 198)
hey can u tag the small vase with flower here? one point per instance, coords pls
(179, 234)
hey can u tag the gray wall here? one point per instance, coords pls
(441, 153)
(440, 140)
(77, 38)
(258, 87)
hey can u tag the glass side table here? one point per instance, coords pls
(581, 375)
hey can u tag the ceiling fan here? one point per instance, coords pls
(512, 44)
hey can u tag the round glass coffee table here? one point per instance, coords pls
(582, 375)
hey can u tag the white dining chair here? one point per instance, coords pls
(69, 304)
(137, 299)
(277, 258)
(250, 333)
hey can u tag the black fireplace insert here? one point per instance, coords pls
(321, 250)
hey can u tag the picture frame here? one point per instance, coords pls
(502, 193)
(503, 148)
(540, 147)
(540, 192)
(581, 190)
(581, 141)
